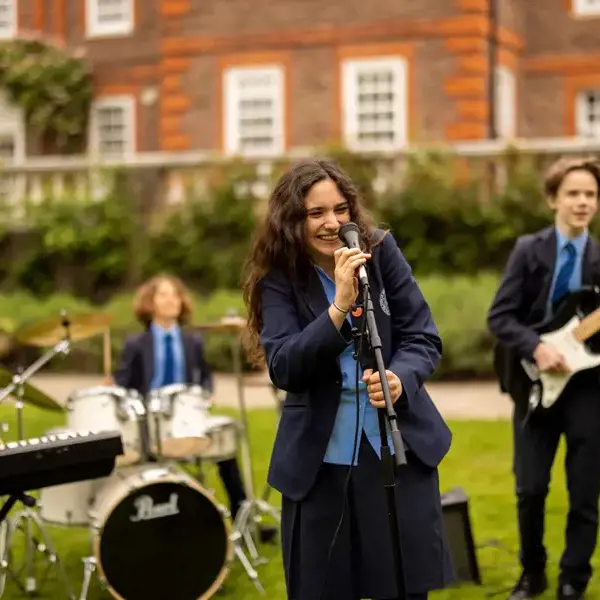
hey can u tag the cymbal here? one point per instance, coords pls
(51, 331)
(31, 394)
(224, 325)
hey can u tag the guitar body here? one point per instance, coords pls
(560, 332)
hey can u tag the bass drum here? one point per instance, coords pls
(158, 535)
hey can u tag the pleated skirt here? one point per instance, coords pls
(362, 562)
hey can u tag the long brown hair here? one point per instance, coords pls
(279, 242)
(143, 302)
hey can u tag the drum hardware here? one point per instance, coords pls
(27, 517)
(252, 509)
(89, 568)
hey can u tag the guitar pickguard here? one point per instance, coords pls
(577, 357)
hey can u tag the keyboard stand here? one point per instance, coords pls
(24, 520)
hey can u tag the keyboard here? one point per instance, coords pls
(59, 458)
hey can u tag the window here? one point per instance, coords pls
(112, 131)
(506, 103)
(8, 18)
(254, 111)
(587, 114)
(375, 104)
(586, 7)
(109, 17)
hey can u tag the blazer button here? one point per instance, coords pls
(338, 382)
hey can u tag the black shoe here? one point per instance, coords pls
(268, 533)
(529, 586)
(568, 592)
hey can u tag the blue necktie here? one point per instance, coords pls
(169, 371)
(561, 287)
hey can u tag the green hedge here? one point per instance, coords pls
(440, 214)
(459, 305)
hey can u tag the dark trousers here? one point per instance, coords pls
(229, 471)
(577, 416)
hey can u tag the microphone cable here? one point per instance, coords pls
(351, 467)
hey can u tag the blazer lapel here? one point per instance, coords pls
(544, 254)
(188, 352)
(591, 263)
(313, 294)
(147, 343)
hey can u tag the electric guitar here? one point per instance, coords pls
(567, 330)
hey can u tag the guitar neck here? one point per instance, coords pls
(588, 326)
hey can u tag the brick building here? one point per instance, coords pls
(266, 76)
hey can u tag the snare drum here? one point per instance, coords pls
(224, 434)
(158, 534)
(68, 504)
(110, 408)
(178, 421)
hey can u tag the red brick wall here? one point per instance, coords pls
(181, 47)
(563, 58)
(442, 40)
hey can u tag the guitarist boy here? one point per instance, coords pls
(543, 268)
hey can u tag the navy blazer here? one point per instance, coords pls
(521, 300)
(302, 348)
(136, 368)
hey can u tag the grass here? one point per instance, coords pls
(479, 462)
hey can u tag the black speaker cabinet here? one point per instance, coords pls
(455, 507)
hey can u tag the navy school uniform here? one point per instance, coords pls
(524, 298)
(312, 361)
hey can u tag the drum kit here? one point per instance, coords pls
(150, 516)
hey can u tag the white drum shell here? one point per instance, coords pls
(68, 504)
(109, 408)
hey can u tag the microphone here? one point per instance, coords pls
(349, 234)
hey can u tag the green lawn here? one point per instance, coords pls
(479, 462)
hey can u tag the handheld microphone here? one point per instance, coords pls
(349, 234)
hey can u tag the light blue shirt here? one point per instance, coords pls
(158, 339)
(561, 257)
(341, 443)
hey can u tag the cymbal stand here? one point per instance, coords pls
(251, 509)
(27, 517)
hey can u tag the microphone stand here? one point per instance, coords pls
(387, 460)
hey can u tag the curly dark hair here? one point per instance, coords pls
(279, 242)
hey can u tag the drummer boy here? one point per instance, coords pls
(165, 354)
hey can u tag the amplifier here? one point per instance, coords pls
(455, 508)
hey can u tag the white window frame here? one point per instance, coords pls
(11, 31)
(350, 126)
(581, 115)
(505, 103)
(586, 8)
(231, 97)
(128, 105)
(96, 29)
